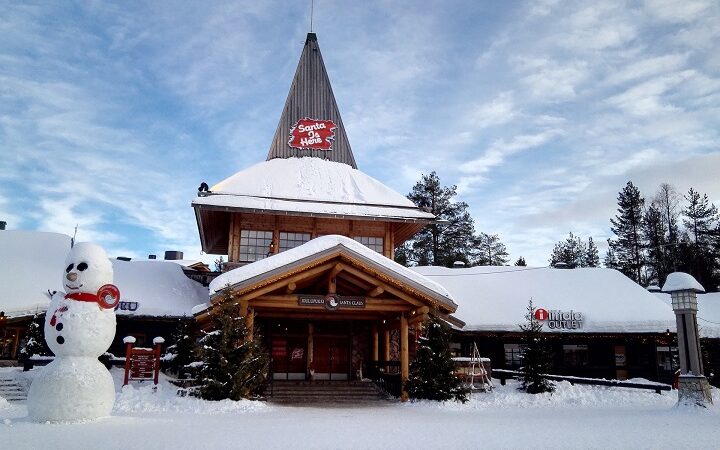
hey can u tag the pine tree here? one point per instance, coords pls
(592, 257)
(34, 341)
(610, 261)
(570, 253)
(537, 359)
(489, 251)
(402, 254)
(432, 373)
(234, 365)
(521, 262)
(655, 235)
(181, 353)
(627, 226)
(439, 243)
(700, 255)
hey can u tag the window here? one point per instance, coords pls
(292, 240)
(667, 358)
(575, 355)
(513, 355)
(373, 243)
(254, 245)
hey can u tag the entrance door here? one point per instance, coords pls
(331, 358)
(289, 358)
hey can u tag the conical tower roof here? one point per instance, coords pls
(310, 124)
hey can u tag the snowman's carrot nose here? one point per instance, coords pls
(71, 276)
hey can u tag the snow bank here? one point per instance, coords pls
(496, 298)
(573, 417)
(565, 396)
(310, 185)
(148, 399)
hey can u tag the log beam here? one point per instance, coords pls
(375, 292)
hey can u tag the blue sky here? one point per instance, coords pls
(111, 114)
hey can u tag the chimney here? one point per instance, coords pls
(173, 255)
(2, 224)
(152, 256)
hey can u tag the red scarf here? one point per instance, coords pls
(82, 296)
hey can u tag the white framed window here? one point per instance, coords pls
(254, 245)
(373, 243)
(292, 240)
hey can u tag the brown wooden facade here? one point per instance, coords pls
(391, 304)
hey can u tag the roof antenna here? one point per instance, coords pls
(312, 10)
(72, 241)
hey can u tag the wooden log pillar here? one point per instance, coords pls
(247, 312)
(404, 355)
(375, 343)
(250, 324)
(310, 343)
(386, 344)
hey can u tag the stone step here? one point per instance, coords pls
(325, 392)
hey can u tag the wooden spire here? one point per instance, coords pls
(311, 97)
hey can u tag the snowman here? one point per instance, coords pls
(79, 327)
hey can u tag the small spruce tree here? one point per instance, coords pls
(233, 365)
(34, 341)
(536, 357)
(432, 373)
(182, 352)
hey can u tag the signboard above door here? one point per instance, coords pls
(332, 302)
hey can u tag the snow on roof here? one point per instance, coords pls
(31, 263)
(681, 281)
(319, 245)
(496, 298)
(708, 315)
(310, 185)
(160, 288)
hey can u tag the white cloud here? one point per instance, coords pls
(549, 79)
(500, 149)
(678, 11)
(646, 98)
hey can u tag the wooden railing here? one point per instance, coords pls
(386, 375)
(504, 374)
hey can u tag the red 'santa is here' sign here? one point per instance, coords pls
(312, 134)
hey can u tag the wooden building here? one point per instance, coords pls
(310, 241)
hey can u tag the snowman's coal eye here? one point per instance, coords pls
(82, 266)
(69, 268)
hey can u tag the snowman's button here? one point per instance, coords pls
(59, 327)
(60, 340)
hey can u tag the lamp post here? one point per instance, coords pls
(693, 387)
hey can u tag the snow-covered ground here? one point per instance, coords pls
(572, 417)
